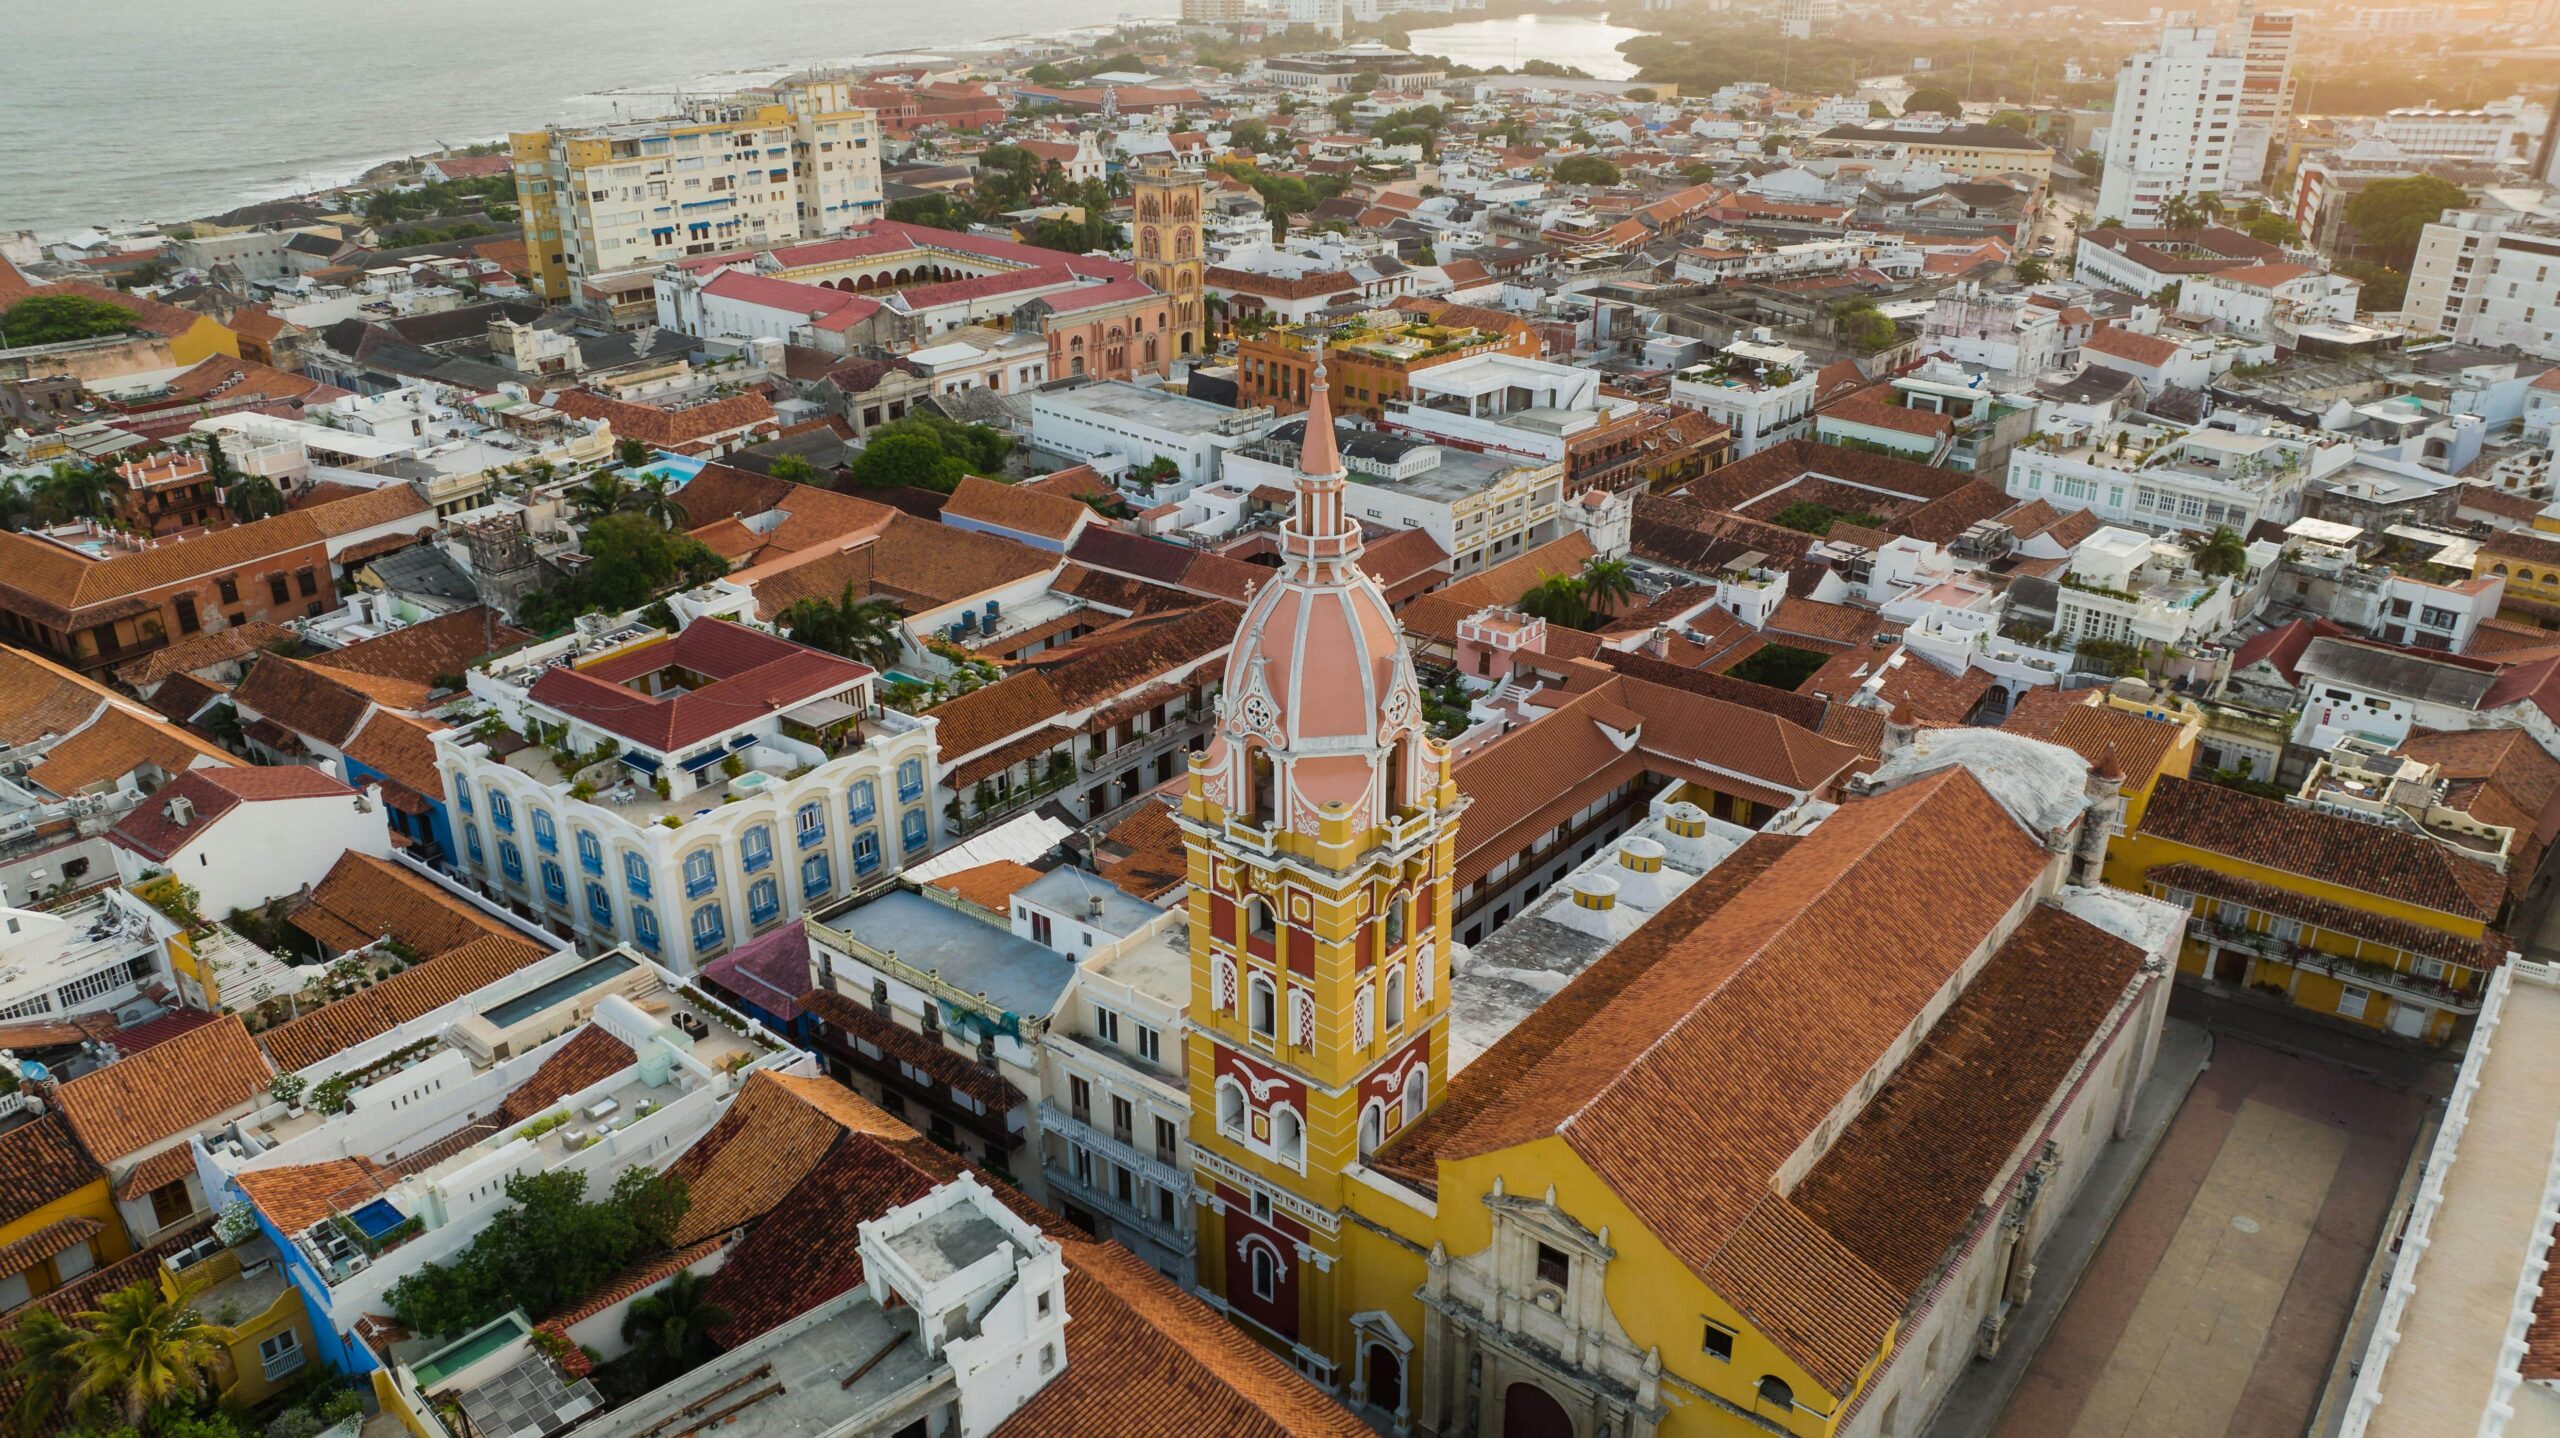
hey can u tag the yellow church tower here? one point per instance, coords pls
(1321, 826)
(1167, 200)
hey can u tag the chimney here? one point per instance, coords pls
(1093, 907)
(181, 810)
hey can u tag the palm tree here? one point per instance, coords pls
(654, 498)
(867, 631)
(142, 1349)
(600, 494)
(1558, 599)
(670, 1330)
(2222, 554)
(44, 1370)
(253, 496)
(1606, 584)
(632, 451)
(75, 491)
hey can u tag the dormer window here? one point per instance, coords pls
(1555, 1269)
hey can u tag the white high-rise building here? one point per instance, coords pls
(2488, 278)
(2177, 114)
(2266, 41)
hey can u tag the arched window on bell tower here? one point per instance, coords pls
(1265, 804)
(1396, 799)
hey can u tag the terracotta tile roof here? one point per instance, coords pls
(45, 1242)
(1143, 855)
(420, 989)
(750, 673)
(165, 1091)
(989, 886)
(762, 1148)
(429, 651)
(180, 698)
(234, 380)
(2504, 639)
(1015, 508)
(149, 831)
(2499, 776)
(1859, 409)
(2145, 350)
(729, 538)
(587, 1059)
(40, 1163)
(150, 315)
(771, 972)
(39, 698)
(1906, 1179)
(2283, 645)
(158, 1171)
(1836, 623)
(1783, 473)
(119, 742)
(1945, 519)
(398, 748)
(205, 650)
(1805, 1291)
(362, 899)
(2486, 953)
(2330, 848)
(2090, 730)
(295, 1196)
(668, 429)
(1016, 705)
(315, 703)
(834, 1012)
(808, 1248)
(1901, 887)
(1132, 1331)
(908, 558)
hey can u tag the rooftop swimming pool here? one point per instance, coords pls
(577, 981)
(675, 469)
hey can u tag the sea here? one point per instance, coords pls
(1580, 41)
(120, 112)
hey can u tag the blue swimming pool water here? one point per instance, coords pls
(896, 676)
(577, 981)
(676, 470)
(378, 1218)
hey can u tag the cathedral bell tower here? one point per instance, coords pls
(1167, 198)
(1321, 825)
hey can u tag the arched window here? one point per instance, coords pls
(1265, 1265)
(861, 801)
(1417, 1086)
(1257, 918)
(600, 905)
(1302, 1018)
(911, 830)
(755, 848)
(764, 901)
(1265, 1004)
(635, 873)
(816, 877)
(502, 812)
(471, 841)
(644, 927)
(462, 790)
(1395, 997)
(1364, 1016)
(1395, 921)
(590, 852)
(866, 852)
(709, 928)
(2500, 570)
(1288, 1136)
(1775, 1392)
(699, 874)
(545, 838)
(511, 860)
(813, 824)
(911, 779)
(1230, 1108)
(1222, 984)
(1372, 1127)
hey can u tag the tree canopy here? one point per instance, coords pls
(927, 451)
(1860, 323)
(49, 319)
(1936, 98)
(550, 1246)
(631, 559)
(1585, 170)
(2388, 216)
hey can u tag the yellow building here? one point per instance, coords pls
(1731, 1178)
(2529, 561)
(57, 1214)
(2372, 924)
(771, 166)
(245, 1290)
(2138, 737)
(1168, 201)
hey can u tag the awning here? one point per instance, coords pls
(819, 713)
(641, 762)
(696, 763)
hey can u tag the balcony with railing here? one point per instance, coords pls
(2366, 973)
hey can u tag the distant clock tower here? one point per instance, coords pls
(1168, 199)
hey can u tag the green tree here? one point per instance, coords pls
(2388, 216)
(75, 491)
(906, 460)
(140, 1349)
(2088, 163)
(654, 499)
(867, 631)
(632, 451)
(1859, 322)
(1879, 110)
(44, 1371)
(600, 493)
(2384, 287)
(934, 211)
(2032, 270)
(44, 318)
(2224, 554)
(1607, 584)
(1936, 99)
(2190, 212)
(2273, 230)
(253, 497)
(670, 1330)
(550, 1246)
(1559, 599)
(793, 468)
(1642, 95)
(1045, 73)
(1250, 135)
(1585, 170)
(2013, 120)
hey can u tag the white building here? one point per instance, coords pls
(2266, 42)
(2162, 480)
(1481, 507)
(96, 956)
(2488, 278)
(682, 793)
(1759, 389)
(2176, 109)
(2127, 587)
(242, 836)
(2490, 136)
(1115, 420)
(2271, 302)
(2001, 331)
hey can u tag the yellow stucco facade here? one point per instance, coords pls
(217, 1289)
(93, 1201)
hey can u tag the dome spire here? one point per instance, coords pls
(1320, 531)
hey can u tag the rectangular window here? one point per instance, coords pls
(2351, 1001)
(1040, 929)
(187, 620)
(1168, 1139)
(306, 582)
(1124, 1120)
(277, 589)
(1719, 1342)
(1080, 1099)
(169, 1203)
(280, 1355)
(1553, 1267)
(229, 586)
(1150, 1045)
(1106, 1024)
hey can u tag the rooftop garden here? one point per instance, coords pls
(1817, 519)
